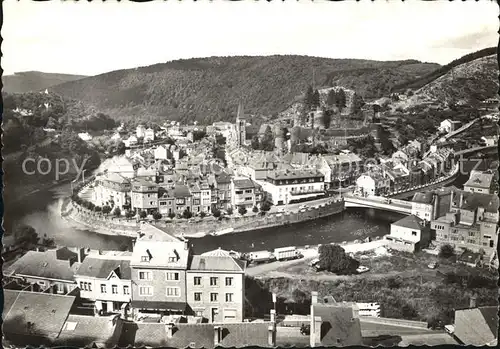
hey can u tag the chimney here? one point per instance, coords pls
(217, 332)
(271, 335)
(81, 254)
(186, 244)
(314, 297)
(461, 199)
(170, 330)
(473, 304)
(273, 315)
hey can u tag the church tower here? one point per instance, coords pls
(240, 126)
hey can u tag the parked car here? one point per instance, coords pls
(303, 207)
(433, 265)
(362, 269)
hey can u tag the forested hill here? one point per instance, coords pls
(34, 81)
(209, 89)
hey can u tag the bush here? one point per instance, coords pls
(265, 206)
(216, 213)
(187, 214)
(171, 215)
(143, 214)
(106, 209)
(446, 251)
(242, 210)
(334, 259)
(255, 209)
(157, 215)
(117, 212)
(129, 214)
(230, 211)
(202, 214)
(98, 209)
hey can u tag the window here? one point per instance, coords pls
(197, 280)
(145, 291)
(145, 259)
(145, 275)
(172, 259)
(198, 313)
(213, 297)
(229, 297)
(229, 281)
(81, 285)
(213, 281)
(88, 286)
(173, 292)
(172, 276)
(126, 290)
(103, 288)
(413, 233)
(229, 314)
(471, 233)
(197, 296)
(248, 191)
(114, 289)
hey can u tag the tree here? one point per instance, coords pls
(255, 143)
(331, 98)
(230, 211)
(265, 206)
(143, 214)
(129, 214)
(117, 212)
(267, 142)
(309, 99)
(187, 214)
(446, 251)
(98, 209)
(255, 209)
(203, 214)
(315, 100)
(120, 148)
(242, 210)
(334, 259)
(171, 215)
(157, 215)
(341, 99)
(25, 234)
(106, 209)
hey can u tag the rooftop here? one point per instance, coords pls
(294, 174)
(154, 254)
(217, 263)
(339, 326)
(102, 268)
(410, 222)
(93, 328)
(244, 183)
(477, 326)
(480, 179)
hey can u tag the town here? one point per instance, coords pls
(164, 184)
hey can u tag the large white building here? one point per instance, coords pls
(373, 184)
(144, 195)
(140, 131)
(288, 186)
(149, 135)
(113, 190)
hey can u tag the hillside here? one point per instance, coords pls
(34, 81)
(422, 81)
(208, 89)
(466, 84)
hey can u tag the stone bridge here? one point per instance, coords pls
(378, 202)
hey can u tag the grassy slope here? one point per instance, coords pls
(208, 89)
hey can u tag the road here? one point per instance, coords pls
(309, 254)
(296, 207)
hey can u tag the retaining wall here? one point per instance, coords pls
(394, 322)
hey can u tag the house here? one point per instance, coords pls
(216, 288)
(373, 183)
(34, 318)
(85, 136)
(245, 192)
(166, 201)
(160, 153)
(489, 141)
(222, 183)
(431, 204)
(470, 258)
(449, 125)
(480, 182)
(158, 268)
(410, 234)
(334, 324)
(345, 168)
(112, 189)
(53, 270)
(149, 135)
(288, 186)
(122, 166)
(144, 195)
(106, 280)
(130, 141)
(140, 131)
(476, 326)
(183, 198)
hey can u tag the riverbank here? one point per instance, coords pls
(108, 225)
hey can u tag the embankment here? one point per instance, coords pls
(108, 225)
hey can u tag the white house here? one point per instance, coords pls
(479, 182)
(106, 280)
(111, 188)
(131, 141)
(140, 131)
(409, 234)
(85, 136)
(449, 125)
(373, 184)
(149, 135)
(160, 153)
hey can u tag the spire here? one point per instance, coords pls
(240, 114)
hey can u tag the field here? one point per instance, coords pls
(402, 283)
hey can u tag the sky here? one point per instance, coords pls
(93, 38)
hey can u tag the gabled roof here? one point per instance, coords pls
(423, 198)
(181, 191)
(46, 311)
(339, 327)
(477, 326)
(159, 253)
(102, 268)
(472, 201)
(479, 179)
(410, 222)
(44, 265)
(244, 183)
(90, 329)
(216, 263)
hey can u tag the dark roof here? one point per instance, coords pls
(181, 191)
(47, 312)
(180, 306)
(490, 315)
(411, 222)
(244, 183)
(245, 334)
(423, 198)
(339, 327)
(44, 265)
(101, 268)
(94, 328)
(216, 263)
(294, 174)
(472, 201)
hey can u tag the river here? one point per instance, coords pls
(41, 211)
